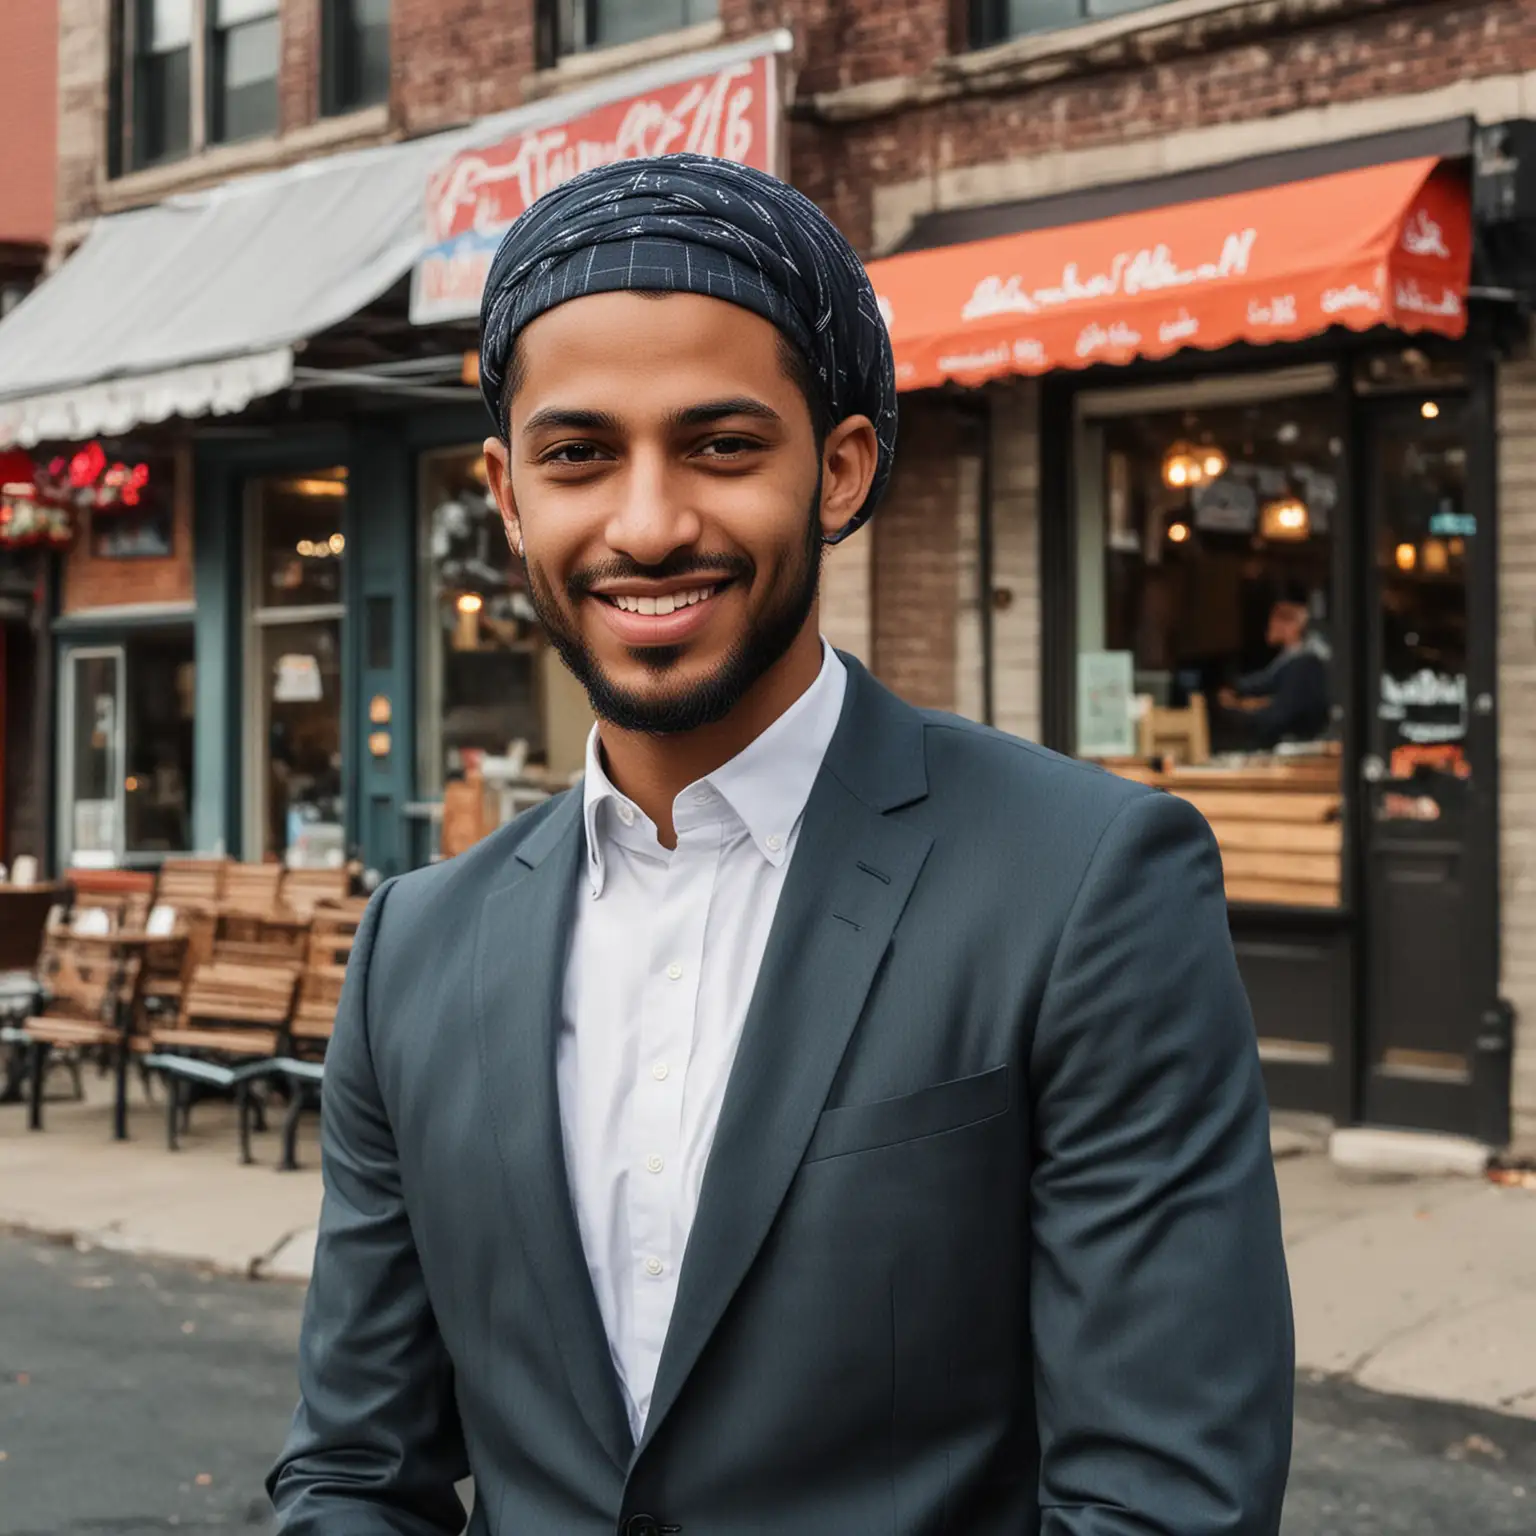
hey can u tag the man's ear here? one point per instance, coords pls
(499, 479)
(849, 459)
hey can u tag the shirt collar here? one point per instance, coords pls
(766, 785)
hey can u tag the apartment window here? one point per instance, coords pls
(356, 43)
(243, 69)
(995, 21)
(583, 24)
(159, 50)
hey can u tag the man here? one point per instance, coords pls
(830, 1119)
(1289, 699)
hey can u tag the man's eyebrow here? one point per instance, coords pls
(708, 411)
(571, 419)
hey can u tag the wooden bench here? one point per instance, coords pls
(309, 1032)
(191, 883)
(250, 887)
(234, 1019)
(1280, 828)
(303, 890)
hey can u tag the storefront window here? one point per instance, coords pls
(492, 688)
(128, 745)
(1205, 654)
(295, 810)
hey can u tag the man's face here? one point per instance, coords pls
(1287, 625)
(663, 484)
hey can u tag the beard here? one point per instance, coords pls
(690, 706)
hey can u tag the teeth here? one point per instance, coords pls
(669, 602)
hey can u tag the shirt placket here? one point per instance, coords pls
(668, 1018)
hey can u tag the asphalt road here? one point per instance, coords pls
(138, 1399)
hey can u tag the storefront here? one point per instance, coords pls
(1267, 450)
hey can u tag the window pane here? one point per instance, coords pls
(161, 700)
(229, 12)
(1205, 644)
(359, 53)
(95, 773)
(163, 107)
(1117, 7)
(301, 710)
(165, 24)
(246, 59)
(300, 544)
(626, 21)
(489, 680)
(1037, 15)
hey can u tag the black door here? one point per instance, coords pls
(1427, 791)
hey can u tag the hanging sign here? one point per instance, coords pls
(1106, 723)
(297, 680)
(723, 104)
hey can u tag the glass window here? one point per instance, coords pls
(995, 21)
(1205, 638)
(491, 686)
(244, 69)
(357, 54)
(294, 805)
(129, 744)
(581, 24)
(161, 83)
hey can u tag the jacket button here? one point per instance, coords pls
(641, 1525)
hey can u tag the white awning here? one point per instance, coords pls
(194, 306)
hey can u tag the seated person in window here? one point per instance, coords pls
(1288, 700)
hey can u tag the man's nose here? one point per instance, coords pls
(655, 515)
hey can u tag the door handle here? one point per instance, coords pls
(1372, 769)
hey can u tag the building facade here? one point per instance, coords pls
(306, 628)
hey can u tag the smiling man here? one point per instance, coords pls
(830, 1119)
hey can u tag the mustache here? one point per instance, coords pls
(684, 563)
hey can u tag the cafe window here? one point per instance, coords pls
(294, 805)
(577, 25)
(127, 750)
(243, 69)
(154, 94)
(996, 21)
(496, 698)
(1205, 624)
(356, 54)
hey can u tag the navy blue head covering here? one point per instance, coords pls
(691, 224)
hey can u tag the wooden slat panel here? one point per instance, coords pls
(1309, 868)
(1298, 837)
(234, 1042)
(1285, 893)
(1246, 805)
(57, 1031)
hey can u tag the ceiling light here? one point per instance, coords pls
(1213, 463)
(337, 543)
(305, 547)
(1287, 518)
(1437, 558)
(1178, 533)
(470, 602)
(1429, 410)
(1182, 467)
(1407, 556)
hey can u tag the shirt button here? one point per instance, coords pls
(701, 797)
(659, 1071)
(654, 1267)
(775, 843)
(674, 972)
(654, 1164)
(626, 814)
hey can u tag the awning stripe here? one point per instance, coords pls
(1387, 245)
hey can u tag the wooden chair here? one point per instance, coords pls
(234, 1018)
(309, 1032)
(92, 999)
(250, 887)
(190, 883)
(1182, 734)
(168, 970)
(332, 932)
(305, 889)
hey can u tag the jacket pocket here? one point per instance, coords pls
(930, 1111)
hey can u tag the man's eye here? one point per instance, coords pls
(573, 453)
(729, 447)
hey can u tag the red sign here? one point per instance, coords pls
(729, 112)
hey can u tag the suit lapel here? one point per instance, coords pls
(847, 885)
(525, 931)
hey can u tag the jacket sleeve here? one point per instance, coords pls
(1160, 1308)
(376, 1445)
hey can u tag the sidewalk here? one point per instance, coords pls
(1421, 1287)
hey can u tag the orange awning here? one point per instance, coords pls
(1389, 245)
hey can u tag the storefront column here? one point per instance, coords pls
(217, 566)
(847, 617)
(1517, 726)
(1015, 497)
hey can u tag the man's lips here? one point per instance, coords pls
(659, 614)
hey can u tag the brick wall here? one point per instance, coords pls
(847, 620)
(91, 583)
(456, 60)
(1517, 724)
(298, 102)
(28, 119)
(84, 53)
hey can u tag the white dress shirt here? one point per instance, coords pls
(664, 958)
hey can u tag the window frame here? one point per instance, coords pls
(213, 37)
(987, 22)
(131, 20)
(556, 21)
(338, 52)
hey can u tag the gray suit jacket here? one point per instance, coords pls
(988, 1242)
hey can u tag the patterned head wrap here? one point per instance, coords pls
(691, 224)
